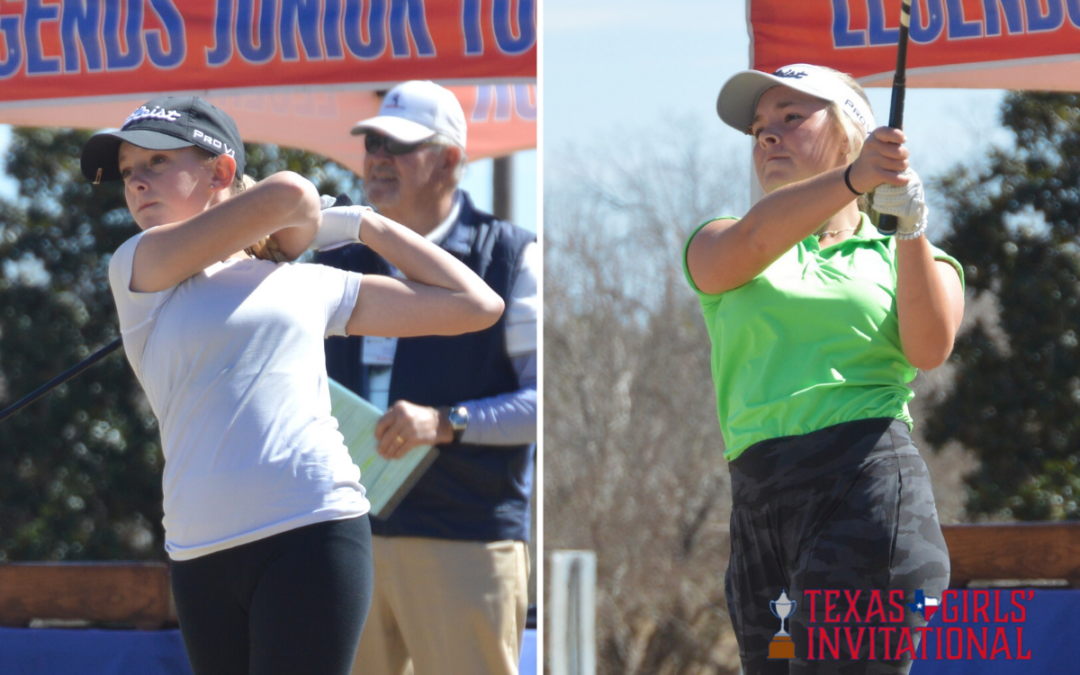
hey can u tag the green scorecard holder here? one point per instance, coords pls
(386, 481)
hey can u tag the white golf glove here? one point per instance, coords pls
(340, 226)
(907, 203)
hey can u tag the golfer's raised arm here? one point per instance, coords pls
(285, 204)
(440, 295)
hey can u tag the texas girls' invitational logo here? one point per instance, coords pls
(848, 625)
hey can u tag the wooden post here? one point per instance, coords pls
(1020, 551)
(122, 592)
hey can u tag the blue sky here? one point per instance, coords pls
(478, 182)
(624, 66)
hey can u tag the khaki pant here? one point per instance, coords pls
(448, 607)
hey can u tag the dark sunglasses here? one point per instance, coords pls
(374, 142)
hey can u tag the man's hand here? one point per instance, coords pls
(407, 425)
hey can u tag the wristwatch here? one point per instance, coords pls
(459, 420)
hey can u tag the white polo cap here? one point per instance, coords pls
(415, 111)
(739, 96)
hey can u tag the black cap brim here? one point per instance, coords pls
(102, 151)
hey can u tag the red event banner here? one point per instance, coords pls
(293, 72)
(501, 118)
(996, 44)
(60, 49)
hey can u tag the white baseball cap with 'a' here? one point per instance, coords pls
(739, 96)
(416, 111)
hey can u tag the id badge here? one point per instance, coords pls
(379, 351)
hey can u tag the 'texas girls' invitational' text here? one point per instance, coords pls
(874, 625)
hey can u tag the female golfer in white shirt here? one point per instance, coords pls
(265, 517)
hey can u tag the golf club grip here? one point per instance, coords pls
(60, 379)
(887, 223)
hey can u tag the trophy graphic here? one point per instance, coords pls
(782, 646)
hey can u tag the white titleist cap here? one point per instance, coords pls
(738, 98)
(415, 111)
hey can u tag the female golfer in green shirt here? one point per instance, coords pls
(818, 323)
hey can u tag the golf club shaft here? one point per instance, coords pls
(887, 223)
(60, 379)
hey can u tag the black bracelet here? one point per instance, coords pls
(847, 181)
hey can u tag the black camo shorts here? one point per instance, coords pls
(848, 507)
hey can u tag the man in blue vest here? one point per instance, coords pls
(451, 562)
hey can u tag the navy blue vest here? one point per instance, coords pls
(471, 492)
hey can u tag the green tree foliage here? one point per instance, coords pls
(80, 470)
(1016, 402)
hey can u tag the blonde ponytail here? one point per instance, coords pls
(241, 183)
(850, 130)
(267, 249)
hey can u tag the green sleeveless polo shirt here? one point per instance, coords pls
(810, 342)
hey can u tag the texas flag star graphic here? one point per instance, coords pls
(924, 605)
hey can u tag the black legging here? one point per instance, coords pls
(291, 603)
(846, 507)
